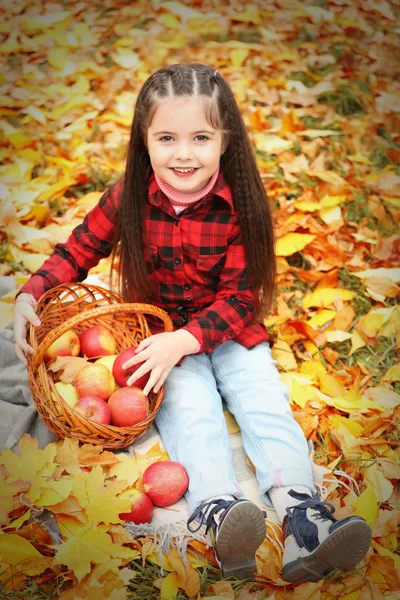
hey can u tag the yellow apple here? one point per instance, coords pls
(108, 361)
(68, 393)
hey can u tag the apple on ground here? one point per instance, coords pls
(97, 341)
(94, 380)
(93, 408)
(122, 375)
(142, 507)
(165, 482)
(66, 345)
(129, 406)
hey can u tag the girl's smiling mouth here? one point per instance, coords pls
(184, 172)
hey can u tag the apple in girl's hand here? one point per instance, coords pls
(128, 406)
(93, 408)
(122, 375)
(142, 507)
(94, 380)
(97, 341)
(165, 482)
(67, 345)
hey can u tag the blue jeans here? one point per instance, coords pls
(192, 425)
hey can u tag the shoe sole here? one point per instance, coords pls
(240, 535)
(343, 549)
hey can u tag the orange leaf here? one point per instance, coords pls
(68, 367)
(188, 578)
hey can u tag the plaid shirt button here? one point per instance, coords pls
(187, 286)
(212, 344)
(177, 260)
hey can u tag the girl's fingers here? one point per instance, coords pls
(161, 381)
(136, 360)
(152, 382)
(141, 371)
(145, 344)
(20, 355)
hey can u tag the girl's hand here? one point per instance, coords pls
(159, 353)
(23, 314)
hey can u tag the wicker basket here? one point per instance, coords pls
(80, 306)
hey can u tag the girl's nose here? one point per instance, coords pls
(184, 152)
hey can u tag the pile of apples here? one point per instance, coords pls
(99, 392)
(164, 483)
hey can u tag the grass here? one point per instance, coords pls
(142, 585)
(361, 303)
(31, 591)
(345, 100)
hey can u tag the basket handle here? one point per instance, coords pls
(96, 312)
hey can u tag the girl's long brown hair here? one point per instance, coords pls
(238, 166)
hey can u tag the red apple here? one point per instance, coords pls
(165, 482)
(97, 341)
(142, 507)
(94, 380)
(122, 375)
(67, 345)
(128, 406)
(93, 408)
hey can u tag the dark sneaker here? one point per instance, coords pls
(237, 529)
(316, 543)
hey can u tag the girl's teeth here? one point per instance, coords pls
(184, 170)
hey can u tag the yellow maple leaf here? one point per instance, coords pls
(88, 543)
(31, 464)
(99, 499)
(54, 492)
(19, 552)
(8, 490)
(126, 469)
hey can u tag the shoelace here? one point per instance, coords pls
(325, 509)
(209, 520)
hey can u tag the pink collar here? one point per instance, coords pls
(181, 199)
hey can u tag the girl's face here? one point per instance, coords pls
(179, 137)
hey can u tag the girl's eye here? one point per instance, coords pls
(164, 138)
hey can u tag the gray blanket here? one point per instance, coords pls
(17, 410)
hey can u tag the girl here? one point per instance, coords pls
(192, 230)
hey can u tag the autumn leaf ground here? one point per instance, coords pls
(318, 86)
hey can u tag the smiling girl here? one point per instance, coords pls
(191, 227)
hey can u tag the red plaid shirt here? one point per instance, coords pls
(198, 259)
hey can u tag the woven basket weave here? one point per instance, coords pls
(79, 306)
